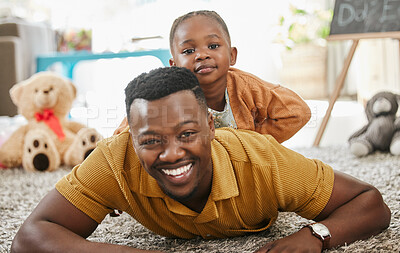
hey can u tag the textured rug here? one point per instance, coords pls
(21, 191)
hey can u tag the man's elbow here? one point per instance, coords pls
(23, 240)
(380, 209)
(17, 245)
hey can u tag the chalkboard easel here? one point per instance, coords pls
(356, 20)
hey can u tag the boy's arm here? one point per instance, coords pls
(74, 126)
(285, 114)
(121, 127)
(355, 211)
(58, 226)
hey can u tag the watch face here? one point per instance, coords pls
(320, 229)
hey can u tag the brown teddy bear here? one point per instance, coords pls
(49, 139)
(382, 131)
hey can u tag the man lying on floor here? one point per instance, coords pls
(179, 177)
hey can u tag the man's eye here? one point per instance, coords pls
(186, 135)
(188, 51)
(214, 46)
(149, 142)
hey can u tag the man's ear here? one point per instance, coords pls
(233, 56)
(171, 62)
(210, 119)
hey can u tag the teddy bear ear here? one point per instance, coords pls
(370, 104)
(16, 92)
(73, 88)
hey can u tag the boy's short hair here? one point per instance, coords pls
(161, 82)
(210, 14)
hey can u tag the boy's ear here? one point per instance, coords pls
(233, 55)
(171, 62)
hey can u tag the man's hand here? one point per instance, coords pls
(301, 241)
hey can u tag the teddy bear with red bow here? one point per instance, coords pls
(49, 139)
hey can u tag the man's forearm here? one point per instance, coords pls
(363, 216)
(46, 236)
(358, 218)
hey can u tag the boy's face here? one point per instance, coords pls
(201, 45)
(172, 138)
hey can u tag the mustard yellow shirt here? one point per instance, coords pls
(253, 177)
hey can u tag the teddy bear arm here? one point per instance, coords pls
(11, 150)
(359, 132)
(397, 124)
(74, 126)
(395, 144)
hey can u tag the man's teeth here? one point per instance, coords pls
(178, 171)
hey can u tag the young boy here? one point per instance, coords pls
(200, 42)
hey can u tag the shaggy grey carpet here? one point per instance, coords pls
(21, 191)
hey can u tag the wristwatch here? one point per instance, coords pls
(320, 231)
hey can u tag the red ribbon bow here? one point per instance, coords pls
(52, 121)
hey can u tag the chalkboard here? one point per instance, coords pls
(365, 16)
(355, 20)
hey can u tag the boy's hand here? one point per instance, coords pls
(121, 126)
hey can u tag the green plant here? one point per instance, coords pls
(302, 26)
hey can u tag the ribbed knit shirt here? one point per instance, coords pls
(253, 177)
(265, 107)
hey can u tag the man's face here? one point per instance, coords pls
(201, 45)
(172, 138)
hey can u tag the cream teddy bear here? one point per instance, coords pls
(49, 139)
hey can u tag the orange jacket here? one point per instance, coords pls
(265, 107)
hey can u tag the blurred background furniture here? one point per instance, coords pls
(20, 43)
(69, 60)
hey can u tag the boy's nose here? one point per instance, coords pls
(202, 55)
(172, 152)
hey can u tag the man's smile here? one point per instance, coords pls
(178, 173)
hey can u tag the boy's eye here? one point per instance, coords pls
(214, 46)
(188, 51)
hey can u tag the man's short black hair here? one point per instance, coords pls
(161, 82)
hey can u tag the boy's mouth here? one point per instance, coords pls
(203, 69)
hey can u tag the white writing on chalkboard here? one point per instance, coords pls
(348, 13)
(363, 16)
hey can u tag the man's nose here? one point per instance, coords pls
(172, 152)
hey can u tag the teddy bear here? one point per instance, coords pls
(48, 139)
(382, 131)
(395, 144)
